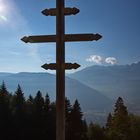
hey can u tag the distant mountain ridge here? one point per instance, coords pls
(5, 74)
(113, 81)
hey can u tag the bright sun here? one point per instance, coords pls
(3, 11)
(2, 7)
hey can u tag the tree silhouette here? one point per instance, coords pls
(109, 121)
(47, 124)
(39, 104)
(18, 102)
(120, 108)
(35, 118)
(76, 122)
(5, 113)
(119, 127)
(18, 110)
(38, 115)
(68, 109)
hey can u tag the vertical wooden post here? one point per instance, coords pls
(60, 71)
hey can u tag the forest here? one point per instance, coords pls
(34, 118)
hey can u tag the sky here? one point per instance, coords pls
(118, 21)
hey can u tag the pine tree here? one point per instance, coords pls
(31, 99)
(47, 103)
(47, 118)
(3, 89)
(76, 113)
(4, 97)
(18, 109)
(19, 102)
(68, 108)
(38, 121)
(29, 107)
(119, 127)
(120, 108)
(109, 121)
(5, 113)
(39, 104)
(76, 122)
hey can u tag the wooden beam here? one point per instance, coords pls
(82, 37)
(39, 39)
(67, 38)
(51, 66)
(67, 11)
(67, 66)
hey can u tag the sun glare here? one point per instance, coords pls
(2, 7)
(3, 11)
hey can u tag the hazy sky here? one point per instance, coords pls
(118, 21)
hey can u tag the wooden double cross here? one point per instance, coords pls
(60, 66)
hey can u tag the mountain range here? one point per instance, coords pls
(96, 87)
(113, 81)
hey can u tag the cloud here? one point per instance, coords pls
(111, 60)
(95, 58)
(100, 60)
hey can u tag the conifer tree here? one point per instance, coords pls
(76, 122)
(4, 99)
(5, 113)
(120, 108)
(76, 113)
(18, 109)
(38, 121)
(68, 108)
(119, 127)
(29, 107)
(39, 104)
(19, 102)
(31, 99)
(3, 89)
(109, 120)
(47, 118)
(47, 103)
